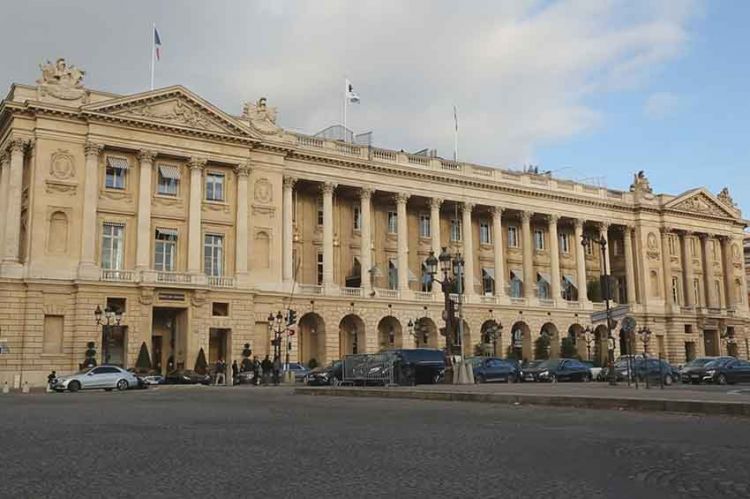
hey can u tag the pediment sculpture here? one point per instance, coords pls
(726, 198)
(702, 205)
(61, 81)
(261, 116)
(176, 111)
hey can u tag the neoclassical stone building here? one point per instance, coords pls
(196, 224)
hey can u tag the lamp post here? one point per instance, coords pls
(727, 335)
(107, 319)
(587, 240)
(492, 332)
(644, 334)
(418, 331)
(276, 327)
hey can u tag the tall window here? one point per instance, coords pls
(672, 245)
(164, 249)
(319, 212)
(213, 255)
(713, 248)
(484, 232)
(357, 217)
(565, 243)
(214, 187)
(538, 239)
(488, 282)
(676, 290)
(115, 173)
(392, 222)
(569, 289)
(319, 269)
(424, 225)
(455, 230)
(426, 279)
(697, 292)
(169, 180)
(516, 285)
(543, 289)
(392, 274)
(512, 236)
(693, 250)
(112, 246)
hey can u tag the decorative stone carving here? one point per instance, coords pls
(61, 81)
(116, 195)
(289, 182)
(60, 187)
(261, 117)
(701, 204)
(263, 191)
(146, 297)
(726, 198)
(401, 197)
(62, 165)
(177, 111)
(93, 149)
(652, 246)
(327, 187)
(197, 163)
(641, 184)
(146, 156)
(198, 298)
(243, 170)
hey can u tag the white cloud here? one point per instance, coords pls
(660, 104)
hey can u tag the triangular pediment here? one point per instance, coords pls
(701, 202)
(173, 106)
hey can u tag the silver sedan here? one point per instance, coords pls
(101, 378)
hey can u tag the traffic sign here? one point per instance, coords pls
(616, 313)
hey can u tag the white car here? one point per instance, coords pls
(101, 378)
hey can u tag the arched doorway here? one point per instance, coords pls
(521, 341)
(390, 333)
(575, 335)
(601, 345)
(311, 339)
(491, 334)
(351, 335)
(426, 330)
(550, 330)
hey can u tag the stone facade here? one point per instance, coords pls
(197, 224)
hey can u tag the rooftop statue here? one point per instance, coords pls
(641, 183)
(61, 80)
(726, 198)
(261, 116)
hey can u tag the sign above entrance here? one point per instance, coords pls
(172, 296)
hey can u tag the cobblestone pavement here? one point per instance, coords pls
(244, 441)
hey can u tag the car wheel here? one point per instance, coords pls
(722, 379)
(122, 385)
(668, 379)
(479, 379)
(74, 386)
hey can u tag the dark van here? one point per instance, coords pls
(416, 366)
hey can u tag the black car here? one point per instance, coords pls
(695, 370)
(417, 366)
(557, 370)
(187, 377)
(332, 374)
(488, 369)
(727, 371)
(142, 385)
(653, 369)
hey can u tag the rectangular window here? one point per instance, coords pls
(675, 290)
(697, 292)
(456, 230)
(672, 245)
(214, 187)
(392, 222)
(319, 269)
(169, 180)
(220, 309)
(112, 246)
(357, 218)
(512, 237)
(426, 280)
(488, 282)
(693, 250)
(565, 243)
(213, 255)
(164, 249)
(484, 232)
(717, 290)
(538, 239)
(543, 289)
(53, 334)
(115, 172)
(516, 284)
(319, 219)
(424, 225)
(392, 274)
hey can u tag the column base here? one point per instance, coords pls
(11, 269)
(89, 271)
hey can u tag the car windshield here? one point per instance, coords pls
(549, 364)
(85, 370)
(699, 362)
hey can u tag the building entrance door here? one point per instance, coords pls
(218, 345)
(115, 340)
(156, 353)
(711, 342)
(169, 337)
(689, 350)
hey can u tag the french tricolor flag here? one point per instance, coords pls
(157, 44)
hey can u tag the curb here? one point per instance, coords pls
(646, 405)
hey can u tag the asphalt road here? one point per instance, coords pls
(247, 441)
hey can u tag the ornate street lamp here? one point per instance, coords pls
(418, 331)
(107, 319)
(588, 338)
(492, 331)
(644, 334)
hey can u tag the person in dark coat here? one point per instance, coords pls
(276, 370)
(256, 371)
(221, 368)
(235, 372)
(267, 367)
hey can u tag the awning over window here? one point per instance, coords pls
(489, 273)
(118, 163)
(166, 232)
(571, 280)
(517, 274)
(169, 171)
(543, 276)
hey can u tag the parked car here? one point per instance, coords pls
(695, 370)
(142, 385)
(593, 369)
(102, 377)
(557, 370)
(652, 368)
(727, 371)
(488, 369)
(416, 366)
(298, 370)
(153, 379)
(187, 377)
(332, 374)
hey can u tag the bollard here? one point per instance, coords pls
(6, 388)
(25, 388)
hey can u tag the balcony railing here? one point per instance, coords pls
(221, 282)
(174, 278)
(546, 302)
(386, 293)
(310, 289)
(118, 275)
(423, 296)
(351, 292)
(573, 304)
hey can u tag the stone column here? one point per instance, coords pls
(287, 264)
(666, 260)
(194, 214)
(554, 251)
(435, 204)
(241, 227)
(708, 271)
(580, 264)
(528, 255)
(365, 257)
(468, 239)
(4, 173)
(629, 268)
(13, 203)
(687, 270)
(143, 238)
(327, 189)
(403, 242)
(604, 234)
(726, 256)
(87, 268)
(497, 235)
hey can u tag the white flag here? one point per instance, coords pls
(350, 93)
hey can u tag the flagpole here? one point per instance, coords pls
(455, 134)
(346, 104)
(153, 54)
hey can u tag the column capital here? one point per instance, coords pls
(146, 156)
(604, 226)
(686, 233)
(366, 193)
(328, 187)
(468, 206)
(18, 144)
(578, 223)
(289, 181)
(436, 203)
(401, 197)
(93, 149)
(197, 163)
(4, 158)
(497, 211)
(666, 230)
(703, 236)
(526, 216)
(553, 218)
(243, 170)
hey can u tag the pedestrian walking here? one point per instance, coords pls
(276, 370)
(221, 377)
(266, 366)
(235, 372)
(256, 371)
(50, 380)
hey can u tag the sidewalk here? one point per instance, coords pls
(733, 401)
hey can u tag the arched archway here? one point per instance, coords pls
(553, 334)
(575, 333)
(491, 338)
(311, 339)
(351, 335)
(426, 330)
(521, 340)
(601, 344)
(390, 333)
